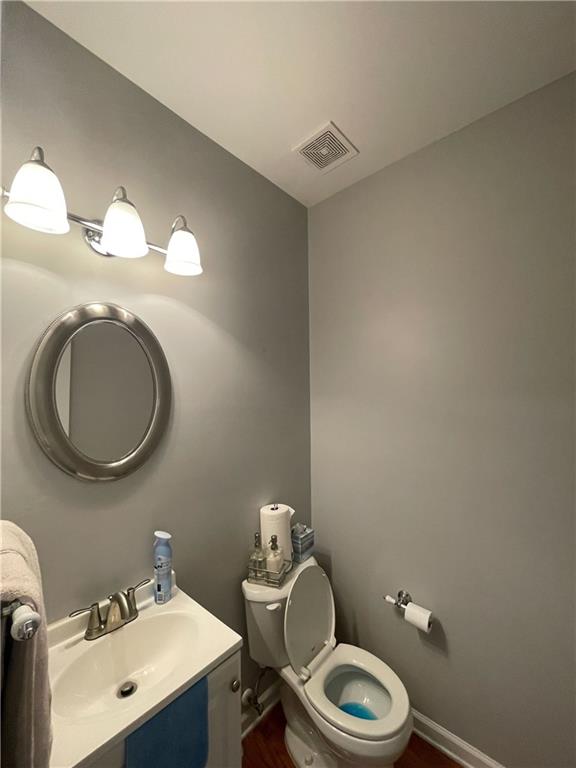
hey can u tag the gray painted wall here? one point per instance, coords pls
(442, 381)
(236, 339)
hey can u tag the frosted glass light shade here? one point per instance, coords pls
(36, 199)
(183, 254)
(123, 233)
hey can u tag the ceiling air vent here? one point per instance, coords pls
(327, 148)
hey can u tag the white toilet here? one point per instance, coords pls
(344, 706)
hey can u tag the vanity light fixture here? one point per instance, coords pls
(123, 232)
(36, 200)
(183, 254)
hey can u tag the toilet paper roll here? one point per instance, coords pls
(420, 617)
(276, 519)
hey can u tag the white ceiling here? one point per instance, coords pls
(259, 77)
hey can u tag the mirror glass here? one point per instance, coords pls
(104, 391)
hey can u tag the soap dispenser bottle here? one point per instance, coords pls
(257, 562)
(162, 567)
(274, 556)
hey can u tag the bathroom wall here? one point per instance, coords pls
(442, 396)
(236, 338)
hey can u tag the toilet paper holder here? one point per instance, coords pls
(414, 614)
(401, 601)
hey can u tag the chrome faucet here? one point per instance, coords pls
(121, 610)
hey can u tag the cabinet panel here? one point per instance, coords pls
(224, 715)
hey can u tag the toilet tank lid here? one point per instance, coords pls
(261, 593)
(309, 619)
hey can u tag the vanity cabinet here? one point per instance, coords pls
(224, 715)
(224, 721)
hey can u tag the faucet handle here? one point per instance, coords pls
(95, 623)
(131, 597)
(94, 607)
(140, 584)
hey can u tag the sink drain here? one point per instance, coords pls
(126, 689)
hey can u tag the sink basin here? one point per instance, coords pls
(145, 652)
(153, 659)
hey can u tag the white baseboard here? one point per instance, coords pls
(268, 699)
(453, 746)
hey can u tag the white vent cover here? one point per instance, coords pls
(327, 148)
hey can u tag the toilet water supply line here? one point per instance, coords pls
(250, 697)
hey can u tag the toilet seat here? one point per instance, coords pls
(331, 673)
(309, 620)
(365, 671)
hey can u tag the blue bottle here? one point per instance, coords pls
(162, 567)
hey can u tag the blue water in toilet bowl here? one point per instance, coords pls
(358, 710)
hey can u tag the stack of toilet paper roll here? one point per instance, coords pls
(275, 519)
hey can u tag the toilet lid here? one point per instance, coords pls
(309, 617)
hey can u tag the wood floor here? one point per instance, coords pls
(264, 748)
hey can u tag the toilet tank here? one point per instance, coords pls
(265, 608)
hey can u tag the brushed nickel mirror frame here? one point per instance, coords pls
(40, 393)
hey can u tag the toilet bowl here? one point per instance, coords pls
(343, 705)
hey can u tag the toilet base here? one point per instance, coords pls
(306, 747)
(305, 752)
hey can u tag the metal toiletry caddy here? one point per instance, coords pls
(269, 578)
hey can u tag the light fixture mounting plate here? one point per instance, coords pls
(92, 238)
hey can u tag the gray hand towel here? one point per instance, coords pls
(26, 698)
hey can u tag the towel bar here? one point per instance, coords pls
(25, 620)
(9, 608)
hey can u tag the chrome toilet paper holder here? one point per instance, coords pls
(401, 601)
(416, 615)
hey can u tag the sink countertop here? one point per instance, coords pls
(164, 651)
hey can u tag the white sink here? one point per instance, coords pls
(164, 651)
(147, 652)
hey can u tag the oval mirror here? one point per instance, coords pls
(98, 392)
